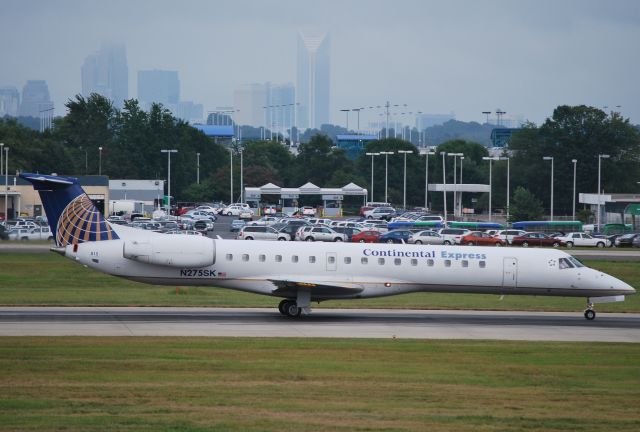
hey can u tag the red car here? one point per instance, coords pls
(366, 237)
(536, 239)
(481, 239)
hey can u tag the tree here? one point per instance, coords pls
(524, 206)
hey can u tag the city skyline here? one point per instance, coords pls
(436, 57)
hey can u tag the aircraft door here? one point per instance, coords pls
(332, 261)
(510, 273)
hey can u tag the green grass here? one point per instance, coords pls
(198, 384)
(49, 279)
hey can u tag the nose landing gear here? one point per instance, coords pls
(589, 313)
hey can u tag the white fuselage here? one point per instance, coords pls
(356, 270)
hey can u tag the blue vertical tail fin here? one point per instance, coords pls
(72, 216)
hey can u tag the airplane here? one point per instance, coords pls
(301, 273)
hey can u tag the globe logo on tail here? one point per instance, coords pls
(80, 222)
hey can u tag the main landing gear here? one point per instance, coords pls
(589, 313)
(289, 308)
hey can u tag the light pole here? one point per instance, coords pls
(198, 168)
(386, 174)
(444, 185)
(1, 158)
(346, 111)
(86, 161)
(490, 159)
(455, 181)
(426, 154)
(168, 152)
(551, 210)
(241, 175)
(508, 177)
(6, 185)
(231, 176)
(100, 161)
(372, 156)
(600, 157)
(404, 193)
(460, 209)
(575, 163)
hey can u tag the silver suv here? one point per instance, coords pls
(453, 235)
(261, 233)
(321, 234)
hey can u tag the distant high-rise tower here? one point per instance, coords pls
(9, 101)
(105, 72)
(36, 101)
(313, 80)
(159, 86)
(250, 101)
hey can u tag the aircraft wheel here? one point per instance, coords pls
(292, 309)
(282, 305)
(590, 314)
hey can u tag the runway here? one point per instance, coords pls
(323, 323)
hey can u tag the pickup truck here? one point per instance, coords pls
(40, 233)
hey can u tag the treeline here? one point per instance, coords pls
(132, 139)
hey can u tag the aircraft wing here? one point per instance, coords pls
(318, 288)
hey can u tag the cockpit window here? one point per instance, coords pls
(564, 263)
(576, 262)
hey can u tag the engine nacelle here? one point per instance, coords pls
(172, 250)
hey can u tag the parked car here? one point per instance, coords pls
(508, 234)
(323, 234)
(237, 224)
(265, 221)
(253, 232)
(395, 236)
(582, 239)
(204, 214)
(3, 233)
(184, 232)
(482, 239)
(366, 236)
(39, 233)
(536, 239)
(235, 210)
(308, 211)
(269, 210)
(626, 240)
(348, 231)
(636, 242)
(426, 237)
(386, 213)
(453, 235)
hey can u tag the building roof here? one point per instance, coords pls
(90, 180)
(355, 137)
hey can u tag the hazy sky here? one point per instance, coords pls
(525, 57)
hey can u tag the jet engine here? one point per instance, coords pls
(172, 250)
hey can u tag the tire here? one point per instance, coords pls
(248, 238)
(525, 244)
(292, 309)
(498, 244)
(337, 239)
(470, 243)
(556, 244)
(590, 314)
(309, 239)
(281, 306)
(569, 245)
(447, 242)
(282, 239)
(361, 241)
(600, 245)
(418, 242)
(389, 241)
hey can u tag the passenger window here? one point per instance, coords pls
(294, 258)
(430, 262)
(278, 258)
(347, 260)
(414, 262)
(381, 261)
(364, 260)
(312, 259)
(245, 257)
(465, 263)
(447, 263)
(397, 261)
(229, 257)
(482, 264)
(262, 258)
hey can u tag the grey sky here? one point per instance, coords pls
(525, 57)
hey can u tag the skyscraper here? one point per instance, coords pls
(9, 101)
(250, 101)
(36, 99)
(313, 80)
(105, 72)
(159, 86)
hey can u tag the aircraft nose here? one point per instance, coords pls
(623, 287)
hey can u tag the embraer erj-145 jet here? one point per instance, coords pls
(302, 273)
